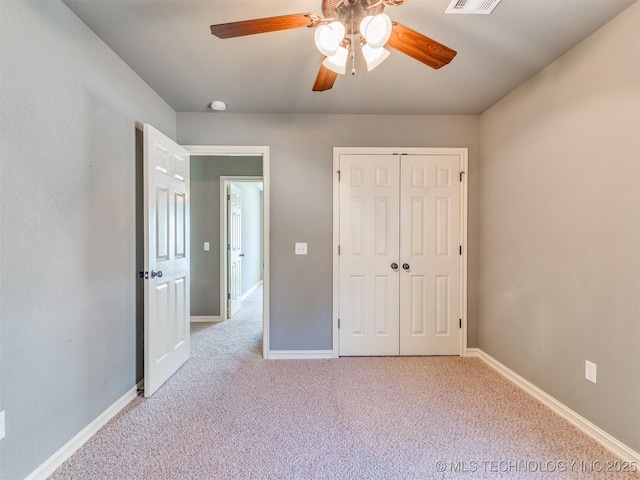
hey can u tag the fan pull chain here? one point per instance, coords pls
(352, 49)
(353, 59)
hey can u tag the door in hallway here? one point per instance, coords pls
(234, 249)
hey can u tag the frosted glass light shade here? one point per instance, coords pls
(376, 30)
(338, 61)
(329, 37)
(374, 56)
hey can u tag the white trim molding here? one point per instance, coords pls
(612, 444)
(206, 319)
(252, 289)
(68, 449)
(300, 354)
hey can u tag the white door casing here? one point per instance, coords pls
(243, 151)
(369, 216)
(431, 242)
(225, 181)
(234, 249)
(167, 342)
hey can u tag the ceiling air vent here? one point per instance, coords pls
(472, 6)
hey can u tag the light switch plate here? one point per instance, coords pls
(301, 248)
(590, 371)
(1, 424)
(206, 246)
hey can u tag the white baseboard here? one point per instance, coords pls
(603, 438)
(252, 289)
(207, 318)
(299, 354)
(68, 449)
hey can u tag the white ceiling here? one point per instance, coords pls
(168, 43)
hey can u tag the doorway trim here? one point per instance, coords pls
(224, 267)
(464, 164)
(249, 151)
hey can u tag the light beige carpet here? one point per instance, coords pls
(229, 414)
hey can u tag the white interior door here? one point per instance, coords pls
(429, 252)
(369, 246)
(234, 249)
(166, 294)
(399, 211)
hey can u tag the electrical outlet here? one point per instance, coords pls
(1, 425)
(301, 248)
(590, 371)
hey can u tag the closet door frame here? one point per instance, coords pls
(462, 153)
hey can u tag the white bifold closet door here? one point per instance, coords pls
(399, 262)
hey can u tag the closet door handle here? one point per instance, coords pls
(406, 266)
(394, 266)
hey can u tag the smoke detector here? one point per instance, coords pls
(218, 106)
(472, 6)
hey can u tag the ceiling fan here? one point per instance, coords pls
(336, 31)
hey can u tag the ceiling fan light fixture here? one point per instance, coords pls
(329, 37)
(374, 56)
(337, 62)
(336, 31)
(376, 30)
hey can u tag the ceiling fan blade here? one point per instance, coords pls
(325, 79)
(264, 25)
(417, 46)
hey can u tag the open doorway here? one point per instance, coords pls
(212, 168)
(241, 245)
(246, 160)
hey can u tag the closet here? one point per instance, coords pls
(400, 251)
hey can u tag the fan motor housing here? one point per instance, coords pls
(351, 12)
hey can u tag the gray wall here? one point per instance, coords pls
(556, 233)
(559, 231)
(205, 225)
(301, 155)
(251, 234)
(67, 195)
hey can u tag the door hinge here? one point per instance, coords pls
(228, 296)
(460, 249)
(228, 246)
(338, 324)
(338, 175)
(460, 323)
(461, 173)
(228, 197)
(338, 249)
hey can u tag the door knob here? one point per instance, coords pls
(155, 274)
(406, 266)
(241, 254)
(394, 266)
